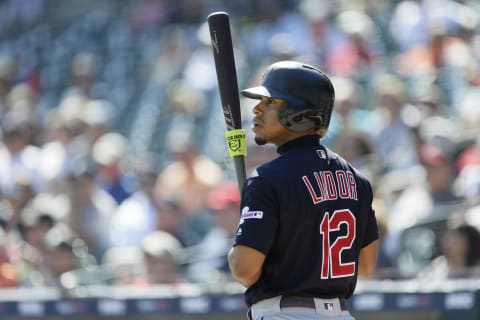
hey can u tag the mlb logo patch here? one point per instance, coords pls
(321, 154)
(328, 306)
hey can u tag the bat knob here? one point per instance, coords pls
(217, 13)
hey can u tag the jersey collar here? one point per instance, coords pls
(304, 141)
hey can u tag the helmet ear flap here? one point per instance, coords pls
(301, 120)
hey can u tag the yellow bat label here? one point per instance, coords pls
(236, 142)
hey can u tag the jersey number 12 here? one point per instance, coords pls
(332, 264)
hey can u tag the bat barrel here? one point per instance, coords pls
(220, 34)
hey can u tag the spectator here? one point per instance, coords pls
(136, 216)
(427, 198)
(8, 70)
(468, 181)
(17, 164)
(98, 116)
(83, 76)
(62, 254)
(459, 255)
(37, 218)
(110, 157)
(171, 218)
(394, 141)
(168, 64)
(210, 260)
(91, 210)
(327, 38)
(123, 264)
(161, 251)
(357, 54)
(8, 272)
(189, 177)
(441, 171)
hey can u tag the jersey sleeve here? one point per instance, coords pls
(371, 228)
(259, 215)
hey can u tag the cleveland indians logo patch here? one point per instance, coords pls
(234, 144)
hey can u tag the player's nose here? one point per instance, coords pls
(257, 110)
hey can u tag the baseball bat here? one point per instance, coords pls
(221, 37)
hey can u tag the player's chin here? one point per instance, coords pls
(260, 141)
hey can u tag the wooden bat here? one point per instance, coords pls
(220, 34)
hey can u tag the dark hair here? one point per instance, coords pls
(472, 236)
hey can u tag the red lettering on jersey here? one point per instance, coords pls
(330, 184)
(321, 184)
(352, 185)
(343, 242)
(325, 231)
(342, 184)
(333, 264)
(315, 198)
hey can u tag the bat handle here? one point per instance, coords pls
(237, 148)
(240, 170)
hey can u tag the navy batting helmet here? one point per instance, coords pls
(308, 93)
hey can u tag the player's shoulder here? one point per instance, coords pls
(339, 161)
(260, 181)
(268, 173)
(266, 170)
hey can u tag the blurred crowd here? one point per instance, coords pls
(113, 166)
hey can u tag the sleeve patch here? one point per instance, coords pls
(247, 214)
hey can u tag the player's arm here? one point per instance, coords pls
(367, 260)
(245, 264)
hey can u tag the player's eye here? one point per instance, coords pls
(266, 101)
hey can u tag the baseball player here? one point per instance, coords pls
(307, 228)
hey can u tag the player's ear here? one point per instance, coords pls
(322, 132)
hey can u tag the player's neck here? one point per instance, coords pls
(295, 135)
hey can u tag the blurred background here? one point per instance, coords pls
(114, 175)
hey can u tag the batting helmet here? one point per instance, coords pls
(308, 93)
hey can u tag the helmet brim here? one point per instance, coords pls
(256, 92)
(262, 91)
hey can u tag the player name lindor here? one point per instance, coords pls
(328, 185)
